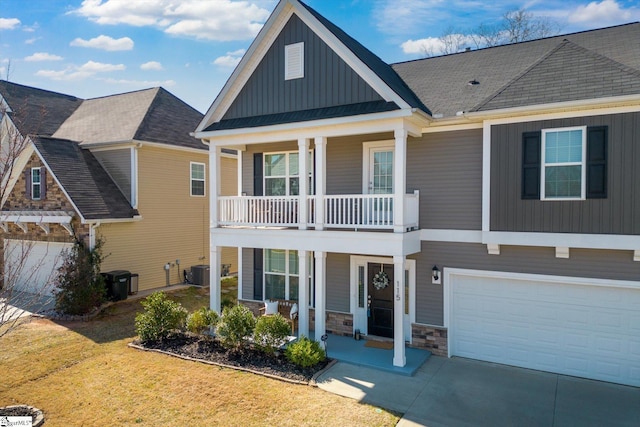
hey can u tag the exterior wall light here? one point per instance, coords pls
(435, 275)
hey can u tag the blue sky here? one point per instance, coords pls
(92, 48)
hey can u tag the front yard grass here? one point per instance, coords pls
(84, 374)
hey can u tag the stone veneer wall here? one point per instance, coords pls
(431, 338)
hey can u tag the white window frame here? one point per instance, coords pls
(294, 70)
(583, 164)
(286, 176)
(287, 274)
(36, 184)
(192, 179)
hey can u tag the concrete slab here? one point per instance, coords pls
(463, 392)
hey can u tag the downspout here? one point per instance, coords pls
(92, 234)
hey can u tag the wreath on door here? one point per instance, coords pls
(380, 279)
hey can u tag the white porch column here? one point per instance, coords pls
(399, 358)
(303, 293)
(303, 182)
(214, 185)
(321, 174)
(320, 282)
(239, 171)
(399, 179)
(214, 278)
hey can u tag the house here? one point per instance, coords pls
(122, 168)
(484, 204)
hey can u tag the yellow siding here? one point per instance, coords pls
(174, 224)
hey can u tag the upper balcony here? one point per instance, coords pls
(354, 211)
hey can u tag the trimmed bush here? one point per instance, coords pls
(305, 352)
(201, 320)
(271, 332)
(160, 318)
(235, 325)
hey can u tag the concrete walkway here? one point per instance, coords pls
(463, 392)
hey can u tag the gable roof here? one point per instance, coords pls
(87, 184)
(568, 72)
(153, 115)
(37, 111)
(442, 83)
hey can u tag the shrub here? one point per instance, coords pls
(79, 285)
(235, 325)
(305, 352)
(160, 318)
(201, 320)
(271, 332)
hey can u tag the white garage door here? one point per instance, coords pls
(559, 325)
(31, 266)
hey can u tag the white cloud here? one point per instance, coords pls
(88, 69)
(231, 59)
(432, 46)
(32, 40)
(31, 28)
(152, 65)
(606, 12)
(105, 43)
(221, 20)
(9, 23)
(42, 56)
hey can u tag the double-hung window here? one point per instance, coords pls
(281, 275)
(281, 174)
(197, 179)
(36, 183)
(564, 153)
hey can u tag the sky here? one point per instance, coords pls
(94, 48)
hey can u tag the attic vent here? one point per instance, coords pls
(294, 61)
(473, 82)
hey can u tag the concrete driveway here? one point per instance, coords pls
(463, 392)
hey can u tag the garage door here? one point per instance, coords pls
(32, 265)
(551, 324)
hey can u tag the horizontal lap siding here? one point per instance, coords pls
(174, 225)
(117, 163)
(612, 265)
(338, 282)
(446, 168)
(247, 273)
(619, 213)
(328, 80)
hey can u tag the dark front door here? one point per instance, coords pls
(380, 299)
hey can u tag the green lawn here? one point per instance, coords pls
(84, 374)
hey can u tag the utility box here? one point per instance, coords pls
(117, 283)
(133, 283)
(200, 274)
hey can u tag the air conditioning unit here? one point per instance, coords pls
(200, 274)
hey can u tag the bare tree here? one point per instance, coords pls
(453, 41)
(18, 265)
(520, 26)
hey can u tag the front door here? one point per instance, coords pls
(380, 299)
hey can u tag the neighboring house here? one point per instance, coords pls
(484, 204)
(123, 168)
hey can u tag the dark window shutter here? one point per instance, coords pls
(531, 157)
(27, 181)
(43, 183)
(257, 175)
(597, 162)
(257, 274)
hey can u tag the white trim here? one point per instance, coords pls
(584, 281)
(435, 128)
(134, 177)
(367, 146)
(562, 252)
(39, 183)
(493, 249)
(115, 145)
(570, 240)
(294, 61)
(486, 176)
(636, 255)
(203, 180)
(582, 164)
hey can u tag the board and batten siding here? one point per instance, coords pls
(587, 263)
(174, 224)
(117, 163)
(328, 81)
(619, 213)
(446, 168)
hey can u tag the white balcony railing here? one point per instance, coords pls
(357, 211)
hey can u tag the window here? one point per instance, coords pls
(281, 174)
(36, 184)
(294, 61)
(281, 276)
(565, 163)
(563, 160)
(197, 179)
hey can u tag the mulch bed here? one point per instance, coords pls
(208, 350)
